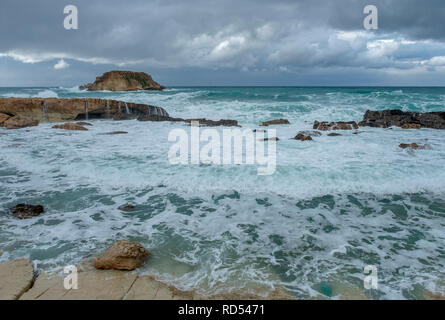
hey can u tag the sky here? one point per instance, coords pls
(227, 42)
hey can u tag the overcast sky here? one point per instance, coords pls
(227, 42)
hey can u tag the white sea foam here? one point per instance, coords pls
(333, 205)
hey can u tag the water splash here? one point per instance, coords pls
(45, 110)
(86, 109)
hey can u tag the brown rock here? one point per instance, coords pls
(3, 118)
(122, 255)
(333, 134)
(70, 126)
(18, 122)
(92, 285)
(72, 109)
(275, 122)
(412, 146)
(324, 126)
(16, 277)
(123, 81)
(411, 126)
(82, 123)
(211, 123)
(127, 208)
(26, 211)
(302, 137)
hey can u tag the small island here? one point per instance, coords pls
(123, 81)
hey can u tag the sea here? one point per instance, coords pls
(336, 211)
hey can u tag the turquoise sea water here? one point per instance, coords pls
(332, 207)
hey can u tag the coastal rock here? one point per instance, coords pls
(300, 136)
(3, 118)
(412, 146)
(333, 134)
(26, 211)
(127, 208)
(411, 126)
(398, 118)
(19, 122)
(117, 132)
(157, 118)
(70, 126)
(123, 81)
(73, 109)
(92, 285)
(270, 139)
(82, 123)
(325, 126)
(122, 255)
(275, 122)
(16, 277)
(211, 123)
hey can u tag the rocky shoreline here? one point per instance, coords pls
(20, 281)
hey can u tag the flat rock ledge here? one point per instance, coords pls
(16, 277)
(17, 282)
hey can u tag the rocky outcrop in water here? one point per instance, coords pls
(122, 255)
(61, 110)
(406, 120)
(325, 126)
(300, 136)
(412, 146)
(275, 122)
(18, 122)
(70, 126)
(26, 211)
(123, 81)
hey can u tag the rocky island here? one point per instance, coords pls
(123, 81)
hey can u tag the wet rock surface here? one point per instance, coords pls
(275, 122)
(300, 136)
(122, 255)
(70, 126)
(325, 126)
(413, 146)
(18, 122)
(407, 120)
(27, 211)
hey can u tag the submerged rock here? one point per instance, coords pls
(70, 126)
(123, 81)
(122, 255)
(26, 211)
(275, 122)
(117, 132)
(333, 134)
(82, 123)
(127, 208)
(409, 120)
(412, 146)
(19, 122)
(325, 126)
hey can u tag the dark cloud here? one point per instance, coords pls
(227, 37)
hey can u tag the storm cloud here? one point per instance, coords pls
(205, 42)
